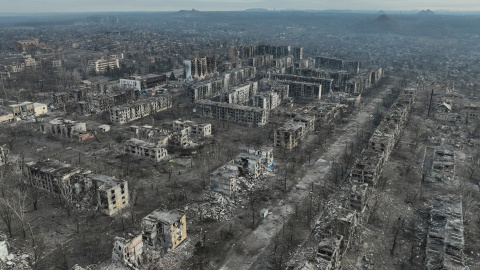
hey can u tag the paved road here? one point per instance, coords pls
(253, 246)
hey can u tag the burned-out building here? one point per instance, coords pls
(145, 149)
(143, 82)
(241, 94)
(128, 251)
(112, 193)
(224, 180)
(67, 129)
(130, 112)
(108, 193)
(49, 175)
(232, 112)
(294, 130)
(337, 64)
(22, 109)
(164, 230)
(326, 83)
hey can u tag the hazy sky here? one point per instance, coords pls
(20, 6)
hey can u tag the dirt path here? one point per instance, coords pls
(249, 249)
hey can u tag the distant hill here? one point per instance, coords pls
(427, 12)
(256, 10)
(381, 24)
(381, 12)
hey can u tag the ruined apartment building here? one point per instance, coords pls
(67, 129)
(108, 193)
(260, 61)
(149, 133)
(143, 82)
(251, 164)
(201, 67)
(276, 51)
(232, 112)
(240, 95)
(102, 65)
(207, 89)
(164, 230)
(145, 149)
(337, 64)
(112, 193)
(327, 83)
(130, 112)
(340, 78)
(128, 251)
(3, 154)
(267, 100)
(292, 132)
(193, 129)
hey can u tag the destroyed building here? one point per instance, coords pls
(293, 131)
(337, 64)
(164, 230)
(232, 112)
(22, 109)
(108, 193)
(67, 129)
(128, 251)
(130, 112)
(143, 82)
(326, 83)
(241, 94)
(112, 193)
(224, 180)
(145, 149)
(251, 164)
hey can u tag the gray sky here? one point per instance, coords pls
(20, 6)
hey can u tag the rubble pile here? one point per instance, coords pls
(214, 206)
(16, 261)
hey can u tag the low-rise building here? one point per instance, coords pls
(289, 135)
(22, 109)
(145, 149)
(40, 108)
(67, 129)
(112, 193)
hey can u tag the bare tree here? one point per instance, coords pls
(6, 214)
(66, 195)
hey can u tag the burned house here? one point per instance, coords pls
(163, 230)
(145, 149)
(128, 251)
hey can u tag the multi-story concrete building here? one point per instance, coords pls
(128, 251)
(240, 95)
(112, 193)
(327, 83)
(67, 129)
(142, 82)
(289, 135)
(145, 149)
(164, 230)
(130, 112)
(108, 193)
(338, 64)
(232, 112)
(102, 65)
